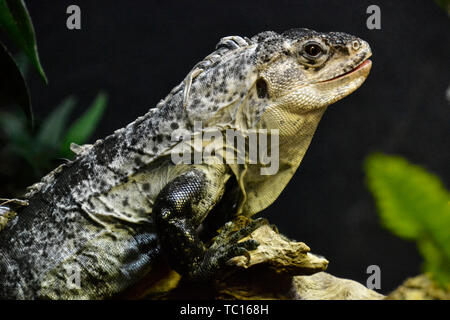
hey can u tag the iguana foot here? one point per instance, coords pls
(225, 246)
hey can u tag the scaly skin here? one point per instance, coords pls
(122, 203)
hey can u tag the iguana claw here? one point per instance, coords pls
(226, 246)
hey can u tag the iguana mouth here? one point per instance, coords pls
(364, 64)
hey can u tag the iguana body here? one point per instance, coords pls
(123, 201)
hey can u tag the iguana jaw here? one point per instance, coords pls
(339, 87)
(315, 96)
(362, 69)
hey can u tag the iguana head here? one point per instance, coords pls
(276, 83)
(308, 69)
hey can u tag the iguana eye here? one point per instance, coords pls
(313, 53)
(313, 50)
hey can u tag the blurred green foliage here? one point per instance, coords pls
(413, 204)
(27, 153)
(17, 25)
(51, 140)
(16, 22)
(81, 130)
(13, 88)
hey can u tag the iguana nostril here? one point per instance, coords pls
(356, 45)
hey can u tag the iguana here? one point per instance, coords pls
(123, 202)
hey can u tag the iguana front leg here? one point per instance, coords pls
(179, 210)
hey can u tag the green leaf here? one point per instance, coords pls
(23, 63)
(51, 131)
(16, 21)
(18, 139)
(13, 127)
(84, 127)
(436, 263)
(415, 205)
(13, 88)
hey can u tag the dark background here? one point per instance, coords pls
(138, 50)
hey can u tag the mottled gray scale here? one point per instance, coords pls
(36, 235)
(229, 86)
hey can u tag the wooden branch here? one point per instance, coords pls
(278, 269)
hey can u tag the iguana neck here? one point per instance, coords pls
(295, 133)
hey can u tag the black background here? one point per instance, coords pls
(137, 51)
